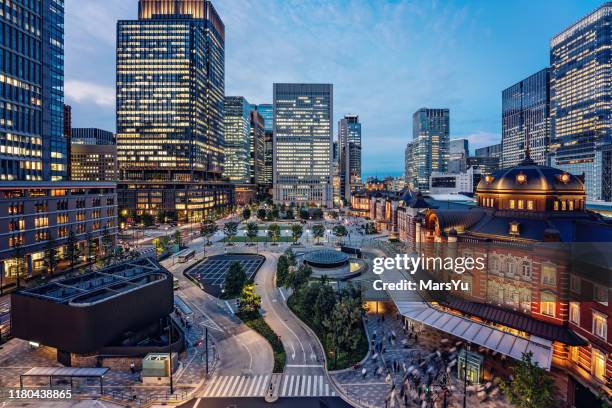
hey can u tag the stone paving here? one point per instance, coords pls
(16, 357)
(386, 384)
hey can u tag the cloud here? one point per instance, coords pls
(84, 92)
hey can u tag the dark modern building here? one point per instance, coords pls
(459, 152)
(91, 313)
(486, 164)
(489, 151)
(170, 108)
(430, 148)
(580, 82)
(93, 136)
(526, 116)
(237, 167)
(349, 155)
(68, 133)
(409, 165)
(303, 137)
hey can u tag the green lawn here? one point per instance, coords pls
(262, 227)
(258, 239)
(260, 326)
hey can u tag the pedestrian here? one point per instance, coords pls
(364, 372)
(132, 367)
(383, 318)
(416, 339)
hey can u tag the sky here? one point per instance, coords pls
(386, 59)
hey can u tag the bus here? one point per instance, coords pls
(185, 255)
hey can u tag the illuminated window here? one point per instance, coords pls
(547, 304)
(556, 206)
(530, 205)
(521, 204)
(514, 228)
(574, 313)
(600, 325)
(512, 204)
(599, 364)
(574, 353)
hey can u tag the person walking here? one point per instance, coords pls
(364, 372)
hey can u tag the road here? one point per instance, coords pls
(322, 402)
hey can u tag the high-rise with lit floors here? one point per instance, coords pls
(580, 103)
(43, 217)
(236, 167)
(430, 148)
(266, 111)
(303, 136)
(349, 139)
(526, 114)
(170, 109)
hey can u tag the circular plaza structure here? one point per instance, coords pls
(334, 264)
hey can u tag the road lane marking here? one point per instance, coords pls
(308, 387)
(304, 365)
(285, 381)
(241, 382)
(197, 403)
(282, 294)
(303, 385)
(229, 307)
(291, 385)
(252, 385)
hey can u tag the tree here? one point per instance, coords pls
(147, 219)
(289, 214)
(296, 232)
(332, 214)
(261, 214)
(252, 231)
(317, 214)
(274, 213)
(342, 323)
(318, 230)
(531, 386)
(230, 229)
(234, 280)
(290, 257)
(340, 231)
(304, 214)
(282, 270)
(275, 232)
(92, 250)
(324, 304)
(19, 253)
(249, 302)
(73, 250)
(298, 278)
(208, 229)
(107, 244)
(246, 214)
(178, 240)
(50, 260)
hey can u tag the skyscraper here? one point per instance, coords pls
(526, 113)
(170, 107)
(581, 112)
(267, 113)
(33, 146)
(257, 148)
(459, 152)
(349, 140)
(409, 166)
(303, 135)
(237, 140)
(430, 137)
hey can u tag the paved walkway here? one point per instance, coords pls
(402, 372)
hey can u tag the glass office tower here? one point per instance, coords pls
(526, 110)
(170, 108)
(257, 148)
(581, 109)
(349, 139)
(32, 142)
(430, 149)
(459, 152)
(237, 140)
(266, 111)
(303, 136)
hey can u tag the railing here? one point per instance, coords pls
(125, 396)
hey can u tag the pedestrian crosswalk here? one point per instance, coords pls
(258, 385)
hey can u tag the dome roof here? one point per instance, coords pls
(531, 177)
(326, 258)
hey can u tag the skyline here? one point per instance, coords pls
(463, 66)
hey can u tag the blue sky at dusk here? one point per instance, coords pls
(386, 59)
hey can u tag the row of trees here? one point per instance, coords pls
(336, 317)
(275, 212)
(238, 285)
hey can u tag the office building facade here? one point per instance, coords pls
(581, 83)
(257, 148)
(431, 139)
(266, 110)
(459, 152)
(170, 109)
(526, 115)
(409, 165)
(349, 155)
(237, 140)
(93, 162)
(489, 151)
(303, 136)
(92, 136)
